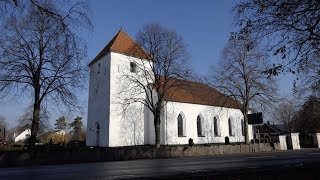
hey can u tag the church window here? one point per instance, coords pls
(199, 125)
(216, 126)
(133, 67)
(181, 125)
(230, 125)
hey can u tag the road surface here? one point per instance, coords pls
(287, 164)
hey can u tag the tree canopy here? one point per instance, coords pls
(77, 132)
(307, 119)
(239, 75)
(61, 123)
(42, 54)
(291, 30)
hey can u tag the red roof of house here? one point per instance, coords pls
(122, 43)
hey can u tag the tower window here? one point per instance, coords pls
(98, 68)
(133, 67)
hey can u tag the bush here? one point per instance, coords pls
(54, 138)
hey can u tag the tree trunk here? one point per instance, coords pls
(246, 124)
(35, 119)
(246, 132)
(157, 127)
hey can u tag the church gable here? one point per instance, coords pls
(122, 43)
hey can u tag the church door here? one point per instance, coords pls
(97, 134)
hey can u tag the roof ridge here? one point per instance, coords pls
(134, 41)
(273, 127)
(200, 93)
(204, 83)
(122, 43)
(105, 48)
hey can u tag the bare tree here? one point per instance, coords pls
(25, 120)
(3, 128)
(168, 65)
(13, 6)
(284, 113)
(291, 29)
(3, 122)
(239, 75)
(42, 54)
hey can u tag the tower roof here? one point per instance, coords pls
(122, 43)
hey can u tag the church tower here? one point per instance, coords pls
(110, 123)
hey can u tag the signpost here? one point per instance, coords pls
(255, 118)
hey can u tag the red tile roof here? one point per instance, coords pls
(122, 43)
(199, 93)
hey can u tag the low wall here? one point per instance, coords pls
(16, 158)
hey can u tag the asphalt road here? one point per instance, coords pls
(269, 165)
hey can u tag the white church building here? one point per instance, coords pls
(199, 112)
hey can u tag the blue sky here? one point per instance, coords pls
(205, 26)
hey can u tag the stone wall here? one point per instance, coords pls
(16, 158)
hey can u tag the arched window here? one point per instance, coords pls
(133, 67)
(97, 126)
(181, 125)
(230, 124)
(199, 125)
(216, 126)
(242, 127)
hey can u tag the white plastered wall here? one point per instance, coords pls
(99, 101)
(191, 111)
(126, 120)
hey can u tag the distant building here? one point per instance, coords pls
(270, 132)
(199, 111)
(22, 136)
